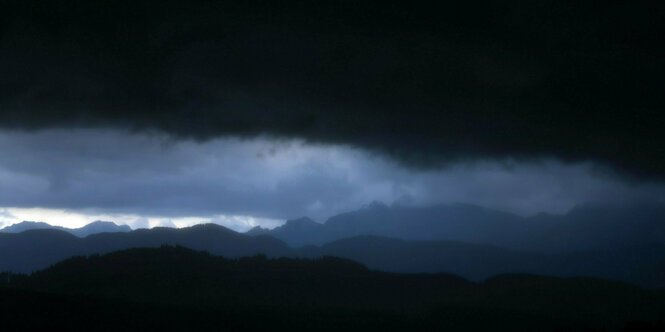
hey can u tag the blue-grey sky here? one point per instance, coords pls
(253, 112)
(72, 177)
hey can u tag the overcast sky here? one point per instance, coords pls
(76, 176)
(248, 113)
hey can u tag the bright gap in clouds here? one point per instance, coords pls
(76, 219)
(73, 177)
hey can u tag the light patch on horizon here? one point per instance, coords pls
(73, 177)
(6, 217)
(75, 219)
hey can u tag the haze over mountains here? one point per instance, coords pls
(587, 227)
(584, 242)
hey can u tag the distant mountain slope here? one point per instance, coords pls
(451, 222)
(91, 228)
(645, 266)
(296, 232)
(28, 225)
(36, 249)
(586, 228)
(260, 293)
(472, 261)
(457, 222)
(594, 227)
(99, 227)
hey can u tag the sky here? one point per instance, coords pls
(251, 113)
(73, 177)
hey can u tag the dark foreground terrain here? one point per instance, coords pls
(174, 288)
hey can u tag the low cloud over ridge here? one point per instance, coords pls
(114, 172)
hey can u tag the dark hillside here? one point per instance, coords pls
(329, 293)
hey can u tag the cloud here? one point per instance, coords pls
(75, 218)
(141, 222)
(6, 218)
(577, 81)
(4, 214)
(167, 223)
(149, 222)
(148, 180)
(244, 222)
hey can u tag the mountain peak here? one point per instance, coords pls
(26, 225)
(211, 227)
(99, 226)
(257, 230)
(301, 222)
(29, 222)
(101, 222)
(91, 228)
(104, 225)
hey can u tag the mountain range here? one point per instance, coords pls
(624, 243)
(584, 228)
(455, 222)
(91, 228)
(36, 249)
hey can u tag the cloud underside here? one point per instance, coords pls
(424, 86)
(110, 173)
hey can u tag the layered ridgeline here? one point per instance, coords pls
(584, 228)
(624, 243)
(173, 288)
(91, 228)
(465, 223)
(36, 249)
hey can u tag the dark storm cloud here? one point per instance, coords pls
(491, 79)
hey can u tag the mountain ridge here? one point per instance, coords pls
(645, 266)
(36, 249)
(94, 227)
(558, 246)
(325, 291)
(620, 226)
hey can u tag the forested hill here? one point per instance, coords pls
(199, 290)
